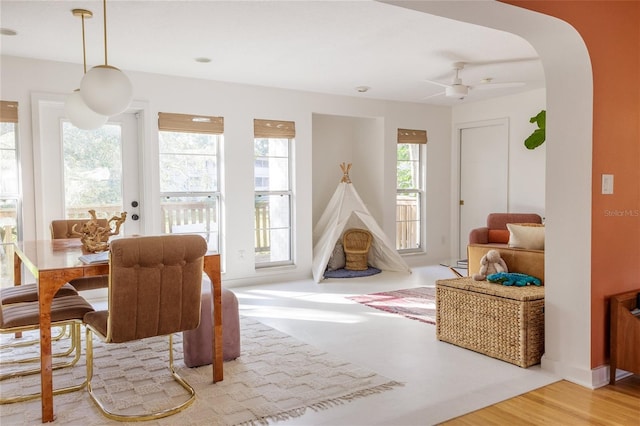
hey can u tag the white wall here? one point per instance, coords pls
(371, 123)
(526, 186)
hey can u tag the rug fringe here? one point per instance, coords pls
(321, 405)
(328, 403)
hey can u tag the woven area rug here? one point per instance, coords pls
(416, 303)
(276, 378)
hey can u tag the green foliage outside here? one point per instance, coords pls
(92, 166)
(408, 163)
(188, 162)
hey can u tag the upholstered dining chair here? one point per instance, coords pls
(29, 293)
(154, 290)
(19, 317)
(63, 229)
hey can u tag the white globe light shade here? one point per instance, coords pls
(106, 90)
(80, 114)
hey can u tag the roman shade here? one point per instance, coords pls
(188, 123)
(274, 129)
(8, 112)
(412, 136)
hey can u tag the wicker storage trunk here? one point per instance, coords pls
(500, 321)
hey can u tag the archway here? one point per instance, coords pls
(568, 172)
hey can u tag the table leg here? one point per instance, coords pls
(17, 277)
(49, 282)
(212, 269)
(17, 269)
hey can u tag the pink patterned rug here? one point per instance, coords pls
(415, 303)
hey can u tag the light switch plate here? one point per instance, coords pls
(607, 184)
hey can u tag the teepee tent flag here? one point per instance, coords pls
(346, 210)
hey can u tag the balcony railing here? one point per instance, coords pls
(407, 225)
(202, 217)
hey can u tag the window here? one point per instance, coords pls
(189, 153)
(273, 194)
(410, 193)
(10, 198)
(92, 169)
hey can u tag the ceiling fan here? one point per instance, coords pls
(459, 90)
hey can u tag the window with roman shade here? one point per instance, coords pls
(411, 170)
(189, 160)
(273, 193)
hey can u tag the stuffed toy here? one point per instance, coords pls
(490, 263)
(513, 278)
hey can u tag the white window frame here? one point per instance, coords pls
(282, 193)
(16, 197)
(215, 195)
(418, 192)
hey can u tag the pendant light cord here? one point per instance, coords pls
(84, 51)
(104, 16)
(83, 14)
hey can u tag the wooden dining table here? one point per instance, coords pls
(55, 262)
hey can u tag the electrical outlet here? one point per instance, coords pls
(607, 184)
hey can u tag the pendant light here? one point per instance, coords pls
(76, 110)
(106, 89)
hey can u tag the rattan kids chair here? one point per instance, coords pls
(356, 244)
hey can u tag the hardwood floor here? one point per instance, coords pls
(564, 403)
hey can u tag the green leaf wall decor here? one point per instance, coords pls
(538, 136)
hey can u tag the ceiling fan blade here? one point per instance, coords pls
(437, 83)
(433, 96)
(489, 86)
(501, 61)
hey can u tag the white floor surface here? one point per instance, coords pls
(441, 380)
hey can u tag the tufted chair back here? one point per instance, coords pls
(154, 287)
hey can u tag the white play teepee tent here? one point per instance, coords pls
(346, 210)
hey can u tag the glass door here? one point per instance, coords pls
(83, 170)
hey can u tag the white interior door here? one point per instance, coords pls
(484, 166)
(61, 179)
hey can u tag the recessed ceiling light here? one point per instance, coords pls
(7, 32)
(203, 60)
(363, 89)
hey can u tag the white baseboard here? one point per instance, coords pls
(592, 379)
(573, 374)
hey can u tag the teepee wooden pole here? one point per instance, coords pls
(345, 172)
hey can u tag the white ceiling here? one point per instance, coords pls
(318, 46)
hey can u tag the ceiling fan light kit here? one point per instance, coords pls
(456, 91)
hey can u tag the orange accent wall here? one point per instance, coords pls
(611, 32)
